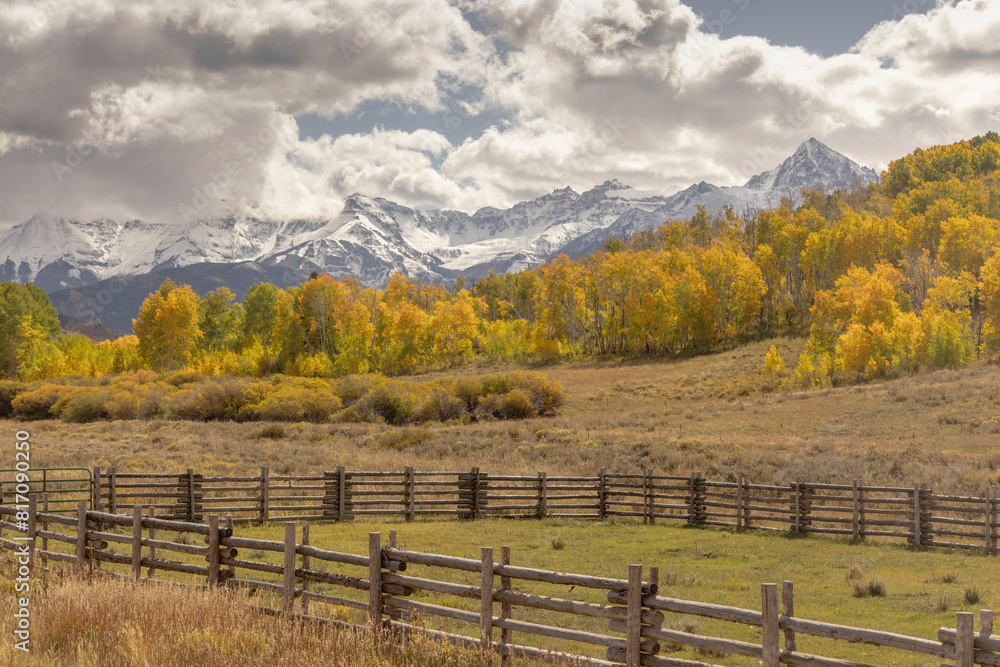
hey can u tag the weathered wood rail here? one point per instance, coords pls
(914, 514)
(576, 619)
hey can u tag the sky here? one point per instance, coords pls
(174, 110)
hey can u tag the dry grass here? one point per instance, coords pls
(106, 623)
(717, 414)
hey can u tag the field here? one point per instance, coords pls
(923, 590)
(717, 414)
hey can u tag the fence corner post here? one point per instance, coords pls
(374, 580)
(96, 481)
(633, 617)
(486, 603)
(964, 639)
(288, 593)
(769, 608)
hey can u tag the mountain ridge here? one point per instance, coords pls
(374, 237)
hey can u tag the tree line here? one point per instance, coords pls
(884, 279)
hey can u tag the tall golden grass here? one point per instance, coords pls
(103, 622)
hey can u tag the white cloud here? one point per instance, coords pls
(133, 108)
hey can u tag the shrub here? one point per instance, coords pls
(352, 388)
(468, 390)
(394, 401)
(949, 577)
(496, 384)
(440, 407)
(272, 432)
(291, 403)
(518, 405)
(854, 573)
(973, 595)
(83, 406)
(37, 404)
(873, 589)
(123, 404)
(206, 401)
(547, 396)
(558, 543)
(490, 406)
(8, 390)
(182, 377)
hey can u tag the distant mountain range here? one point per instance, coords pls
(78, 262)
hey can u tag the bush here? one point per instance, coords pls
(8, 390)
(352, 388)
(394, 402)
(873, 589)
(245, 405)
(272, 432)
(546, 396)
(182, 377)
(83, 406)
(518, 405)
(207, 401)
(292, 404)
(440, 407)
(37, 404)
(468, 390)
(490, 406)
(123, 404)
(973, 595)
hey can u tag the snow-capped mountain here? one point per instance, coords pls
(373, 237)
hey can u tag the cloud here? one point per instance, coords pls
(165, 109)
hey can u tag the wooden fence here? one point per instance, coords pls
(855, 510)
(558, 617)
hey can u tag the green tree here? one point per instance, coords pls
(27, 320)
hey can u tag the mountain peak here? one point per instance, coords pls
(812, 163)
(613, 184)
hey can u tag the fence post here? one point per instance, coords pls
(288, 592)
(788, 609)
(213, 549)
(411, 493)
(602, 493)
(964, 640)
(152, 550)
(137, 541)
(796, 505)
(81, 533)
(486, 602)
(265, 494)
(375, 580)
(769, 607)
(543, 496)
(190, 494)
(993, 519)
(856, 506)
(506, 635)
(96, 482)
(985, 623)
(633, 617)
(916, 515)
(113, 490)
(739, 502)
(341, 493)
(647, 497)
(305, 566)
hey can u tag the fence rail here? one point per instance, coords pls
(914, 513)
(558, 617)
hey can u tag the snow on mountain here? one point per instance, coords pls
(372, 237)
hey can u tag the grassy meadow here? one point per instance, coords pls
(923, 589)
(718, 414)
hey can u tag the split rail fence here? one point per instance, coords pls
(557, 617)
(857, 510)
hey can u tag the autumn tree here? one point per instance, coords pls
(167, 327)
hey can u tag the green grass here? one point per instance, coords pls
(708, 565)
